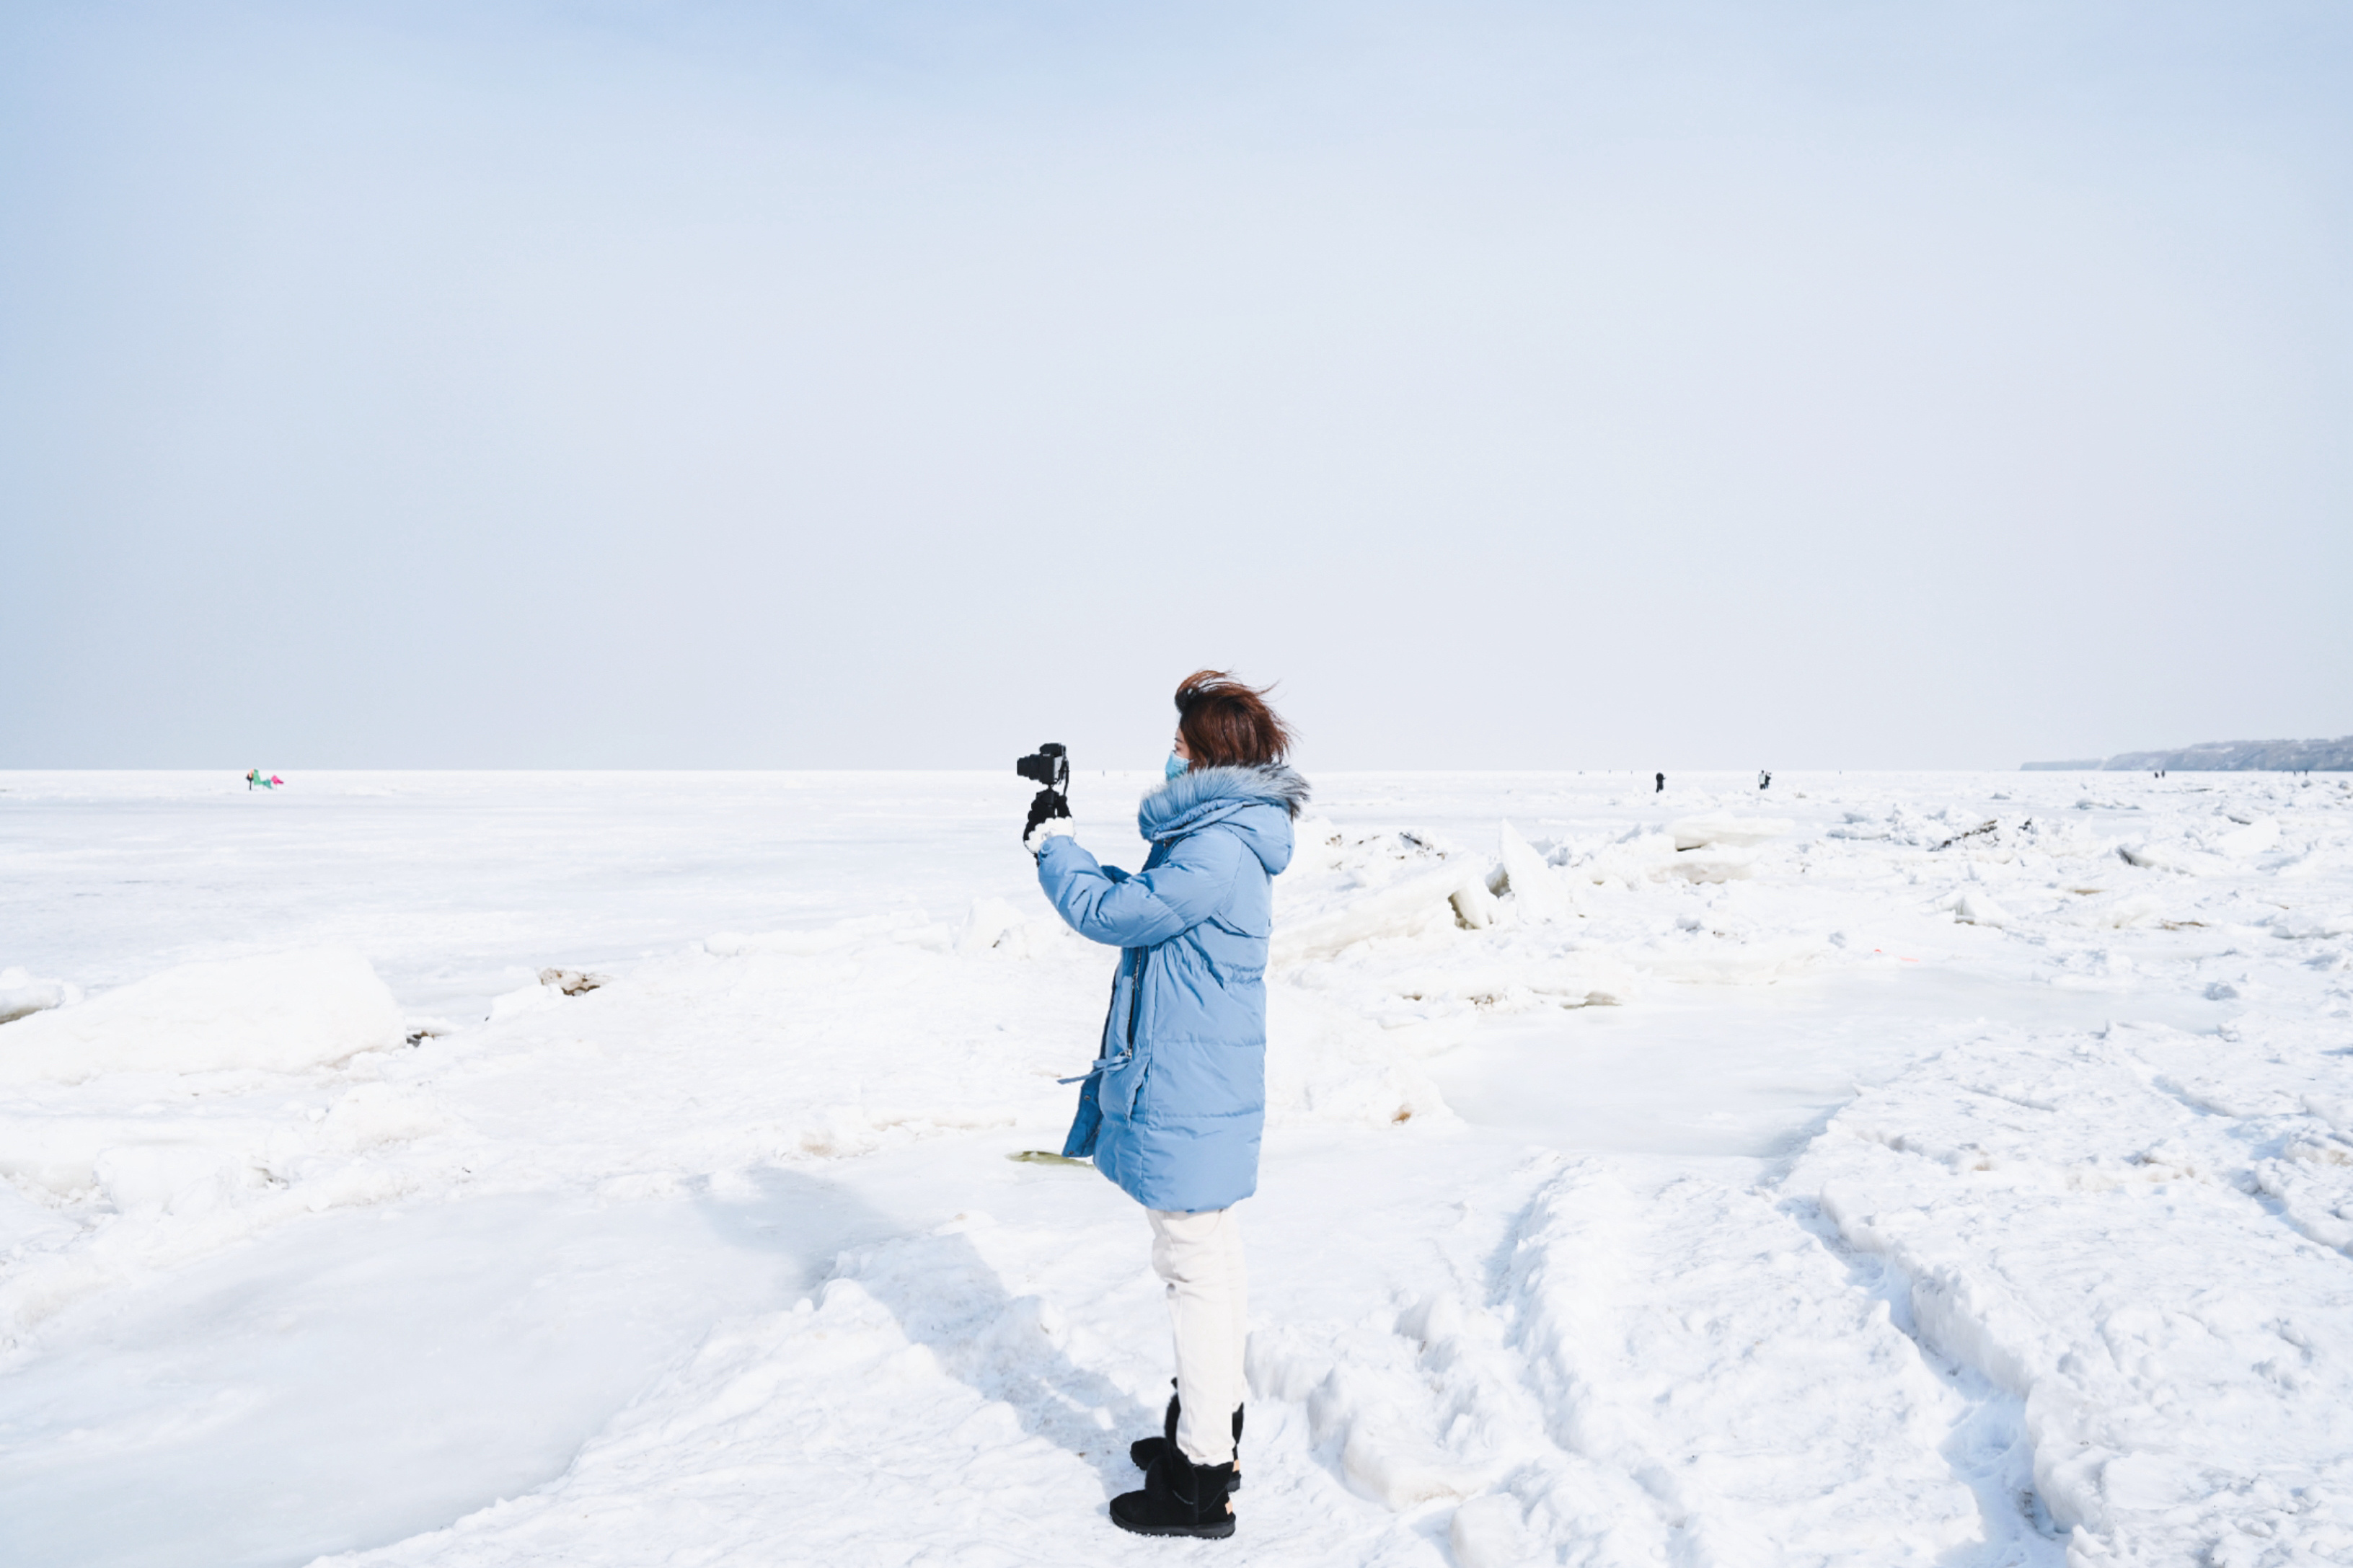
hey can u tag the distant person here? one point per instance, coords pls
(1188, 1016)
(255, 778)
(1764, 779)
(1662, 785)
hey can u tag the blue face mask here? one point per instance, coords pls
(1177, 766)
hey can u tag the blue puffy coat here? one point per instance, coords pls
(1174, 1105)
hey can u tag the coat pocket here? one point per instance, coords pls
(1122, 1081)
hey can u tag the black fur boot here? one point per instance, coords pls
(1179, 1498)
(1143, 1450)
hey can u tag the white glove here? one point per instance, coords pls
(1051, 826)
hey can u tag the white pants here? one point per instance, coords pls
(1200, 1257)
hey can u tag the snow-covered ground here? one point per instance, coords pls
(1887, 1169)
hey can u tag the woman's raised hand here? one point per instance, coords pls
(1050, 814)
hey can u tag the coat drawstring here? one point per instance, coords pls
(1101, 1065)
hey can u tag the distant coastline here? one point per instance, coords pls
(2224, 756)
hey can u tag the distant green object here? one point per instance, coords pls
(256, 779)
(1041, 1157)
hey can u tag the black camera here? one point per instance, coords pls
(1050, 764)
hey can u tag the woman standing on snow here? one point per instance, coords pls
(1174, 1105)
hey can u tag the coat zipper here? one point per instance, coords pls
(1135, 995)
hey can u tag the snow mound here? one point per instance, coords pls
(1326, 1064)
(2157, 855)
(374, 1114)
(988, 923)
(2296, 923)
(1475, 908)
(523, 1001)
(1725, 832)
(2247, 841)
(1540, 891)
(1976, 907)
(23, 1001)
(283, 1013)
(1343, 890)
(21, 995)
(1646, 856)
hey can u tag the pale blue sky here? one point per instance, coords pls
(1805, 384)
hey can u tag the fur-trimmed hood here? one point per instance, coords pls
(1255, 803)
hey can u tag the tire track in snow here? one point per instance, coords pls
(2106, 1242)
(1668, 1373)
(1695, 1338)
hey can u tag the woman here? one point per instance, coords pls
(1173, 1107)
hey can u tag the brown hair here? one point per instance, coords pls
(1227, 724)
